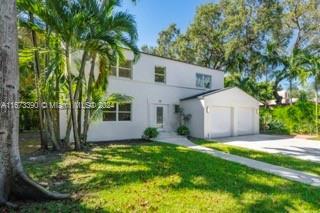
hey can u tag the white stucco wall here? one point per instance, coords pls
(195, 107)
(236, 99)
(218, 114)
(180, 83)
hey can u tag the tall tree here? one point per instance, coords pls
(301, 20)
(106, 36)
(13, 180)
(252, 38)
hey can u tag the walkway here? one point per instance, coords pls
(290, 174)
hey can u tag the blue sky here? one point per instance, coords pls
(153, 16)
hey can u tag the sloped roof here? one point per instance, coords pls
(204, 94)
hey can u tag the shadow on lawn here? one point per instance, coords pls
(142, 163)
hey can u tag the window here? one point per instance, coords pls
(114, 69)
(124, 112)
(203, 81)
(160, 117)
(110, 114)
(160, 74)
(123, 69)
(118, 112)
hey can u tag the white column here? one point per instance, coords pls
(235, 121)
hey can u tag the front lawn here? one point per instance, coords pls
(165, 178)
(276, 159)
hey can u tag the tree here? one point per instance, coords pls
(301, 21)
(106, 36)
(262, 91)
(165, 43)
(13, 180)
(311, 66)
(228, 35)
(253, 38)
(89, 27)
(67, 20)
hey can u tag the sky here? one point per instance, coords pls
(153, 16)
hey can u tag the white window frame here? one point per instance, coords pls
(117, 113)
(203, 76)
(125, 68)
(130, 112)
(164, 74)
(114, 111)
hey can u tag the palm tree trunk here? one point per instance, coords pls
(290, 91)
(72, 101)
(68, 132)
(56, 92)
(57, 111)
(78, 93)
(81, 75)
(44, 142)
(51, 130)
(79, 119)
(316, 112)
(86, 122)
(13, 180)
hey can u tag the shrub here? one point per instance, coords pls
(150, 133)
(298, 118)
(183, 130)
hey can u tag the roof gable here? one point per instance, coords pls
(218, 91)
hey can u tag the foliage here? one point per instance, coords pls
(249, 39)
(115, 178)
(183, 117)
(166, 40)
(183, 130)
(150, 133)
(292, 119)
(50, 33)
(262, 91)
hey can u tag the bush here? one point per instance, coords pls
(150, 133)
(183, 130)
(298, 118)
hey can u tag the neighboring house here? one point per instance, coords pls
(285, 98)
(159, 87)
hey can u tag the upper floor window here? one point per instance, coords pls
(122, 69)
(160, 74)
(203, 81)
(118, 112)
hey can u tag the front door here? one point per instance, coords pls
(160, 117)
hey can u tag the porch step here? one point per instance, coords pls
(166, 134)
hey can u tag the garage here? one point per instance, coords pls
(245, 121)
(222, 113)
(221, 121)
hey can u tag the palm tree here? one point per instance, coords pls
(94, 27)
(47, 67)
(107, 35)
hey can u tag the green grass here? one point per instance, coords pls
(157, 177)
(276, 159)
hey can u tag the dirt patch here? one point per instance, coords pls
(29, 143)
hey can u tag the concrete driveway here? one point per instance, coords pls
(295, 147)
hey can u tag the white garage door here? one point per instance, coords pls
(245, 121)
(221, 122)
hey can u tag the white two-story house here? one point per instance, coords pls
(159, 86)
